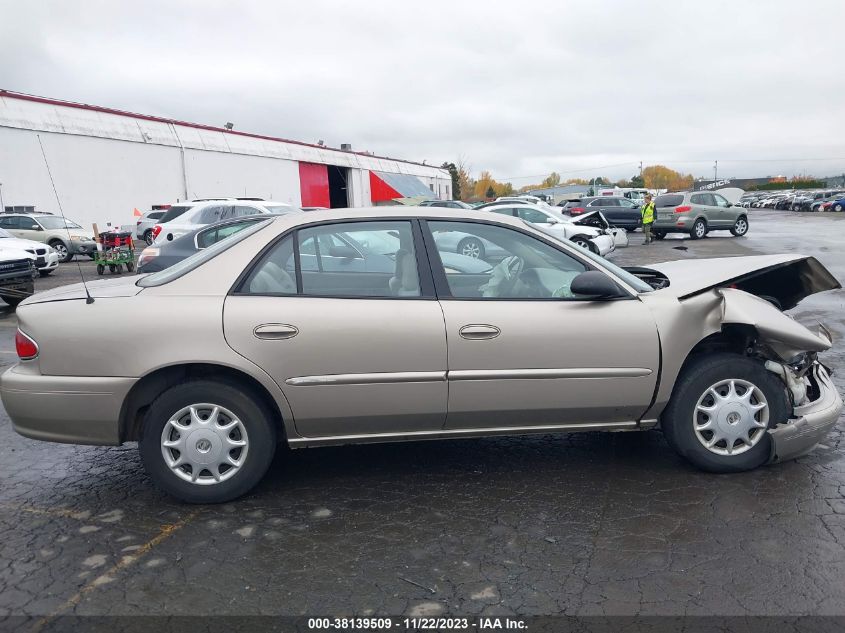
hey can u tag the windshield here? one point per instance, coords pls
(5, 233)
(200, 257)
(55, 222)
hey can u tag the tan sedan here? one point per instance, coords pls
(286, 332)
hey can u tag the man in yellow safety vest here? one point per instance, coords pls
(648, 218)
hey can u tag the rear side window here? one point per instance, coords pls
(173, 212)
(155, 215)
(214, 213)
(669, 200)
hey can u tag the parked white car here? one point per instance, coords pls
(588, 234)
(45, 257)
(189, 216)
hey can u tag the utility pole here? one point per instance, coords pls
(715, 173)
(2, 208)
(641, 170)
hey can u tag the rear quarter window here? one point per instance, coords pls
(669, 200)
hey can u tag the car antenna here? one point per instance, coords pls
(88, 297)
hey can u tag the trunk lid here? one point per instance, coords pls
(107, 288)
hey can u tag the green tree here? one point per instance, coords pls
(637, 181)
(456, 179)
(490, 193)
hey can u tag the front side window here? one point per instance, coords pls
(720, 201)
(532, 215)
(522, 267)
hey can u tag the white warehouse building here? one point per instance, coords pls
(108, 165)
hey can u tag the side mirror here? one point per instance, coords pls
(346, 252)
(594, 285)
(551, 220)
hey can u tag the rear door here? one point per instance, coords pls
(356, 351)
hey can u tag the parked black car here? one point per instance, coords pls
(619, 211)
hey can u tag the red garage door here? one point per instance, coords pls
(314, 185)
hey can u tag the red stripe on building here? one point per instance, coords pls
(380, 191)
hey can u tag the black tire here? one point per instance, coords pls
(659, 235)
(13, 301)
(470, 245)
(148, 237)
(100, 269)
(693, 383)
(699, 229)
(248, 407)
(130, 266)
(740, 227)
(64, 252)
(583, 242)
(45, 273)
(112, 268)
(837, 207)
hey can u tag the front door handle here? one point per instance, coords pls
(275, 331)
(479, 332)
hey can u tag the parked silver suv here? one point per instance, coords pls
(697, 213)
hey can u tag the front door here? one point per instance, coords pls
(524, 351)
(357, 348)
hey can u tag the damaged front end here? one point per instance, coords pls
(790, 351)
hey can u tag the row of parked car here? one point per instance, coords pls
(815, 200)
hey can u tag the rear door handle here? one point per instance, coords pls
(275, 331)
(479, 332)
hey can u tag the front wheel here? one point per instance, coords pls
(583, 242)
(837, 207)
(100, 269)
(660, 235)
(740, 227)
(205, 441)
(720, 411)
(62, 249)
(45, 273)
(699, 229)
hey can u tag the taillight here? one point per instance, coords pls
(26, 348)
(156, 230)
(577, 210)
(683, 209)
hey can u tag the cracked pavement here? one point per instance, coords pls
(581, 524)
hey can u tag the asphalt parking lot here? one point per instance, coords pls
(586, 524)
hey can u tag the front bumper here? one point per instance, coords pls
(82, 248)
(68, 409)
(51, 261)
(811, 422)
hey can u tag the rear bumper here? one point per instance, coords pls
(811, 421)
(67, 409)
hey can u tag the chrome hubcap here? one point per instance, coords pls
(204, 444)
(741, 226)
(61, 250)
(699, 229)
(731, 417)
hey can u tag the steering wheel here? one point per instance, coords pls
(513, 267)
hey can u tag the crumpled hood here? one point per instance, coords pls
(106, 288)
(785, 278)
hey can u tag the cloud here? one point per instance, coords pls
(520, 89)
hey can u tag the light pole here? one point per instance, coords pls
(2, 208)
(715, 173)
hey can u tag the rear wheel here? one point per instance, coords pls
(740, 227)
(699, 229)
(721, 409)
(148, 236)
(44, 273)
(659, 235)
(100, 269)
(207, 442)
(471, 247)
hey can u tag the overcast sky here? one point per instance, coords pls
(521, 88)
